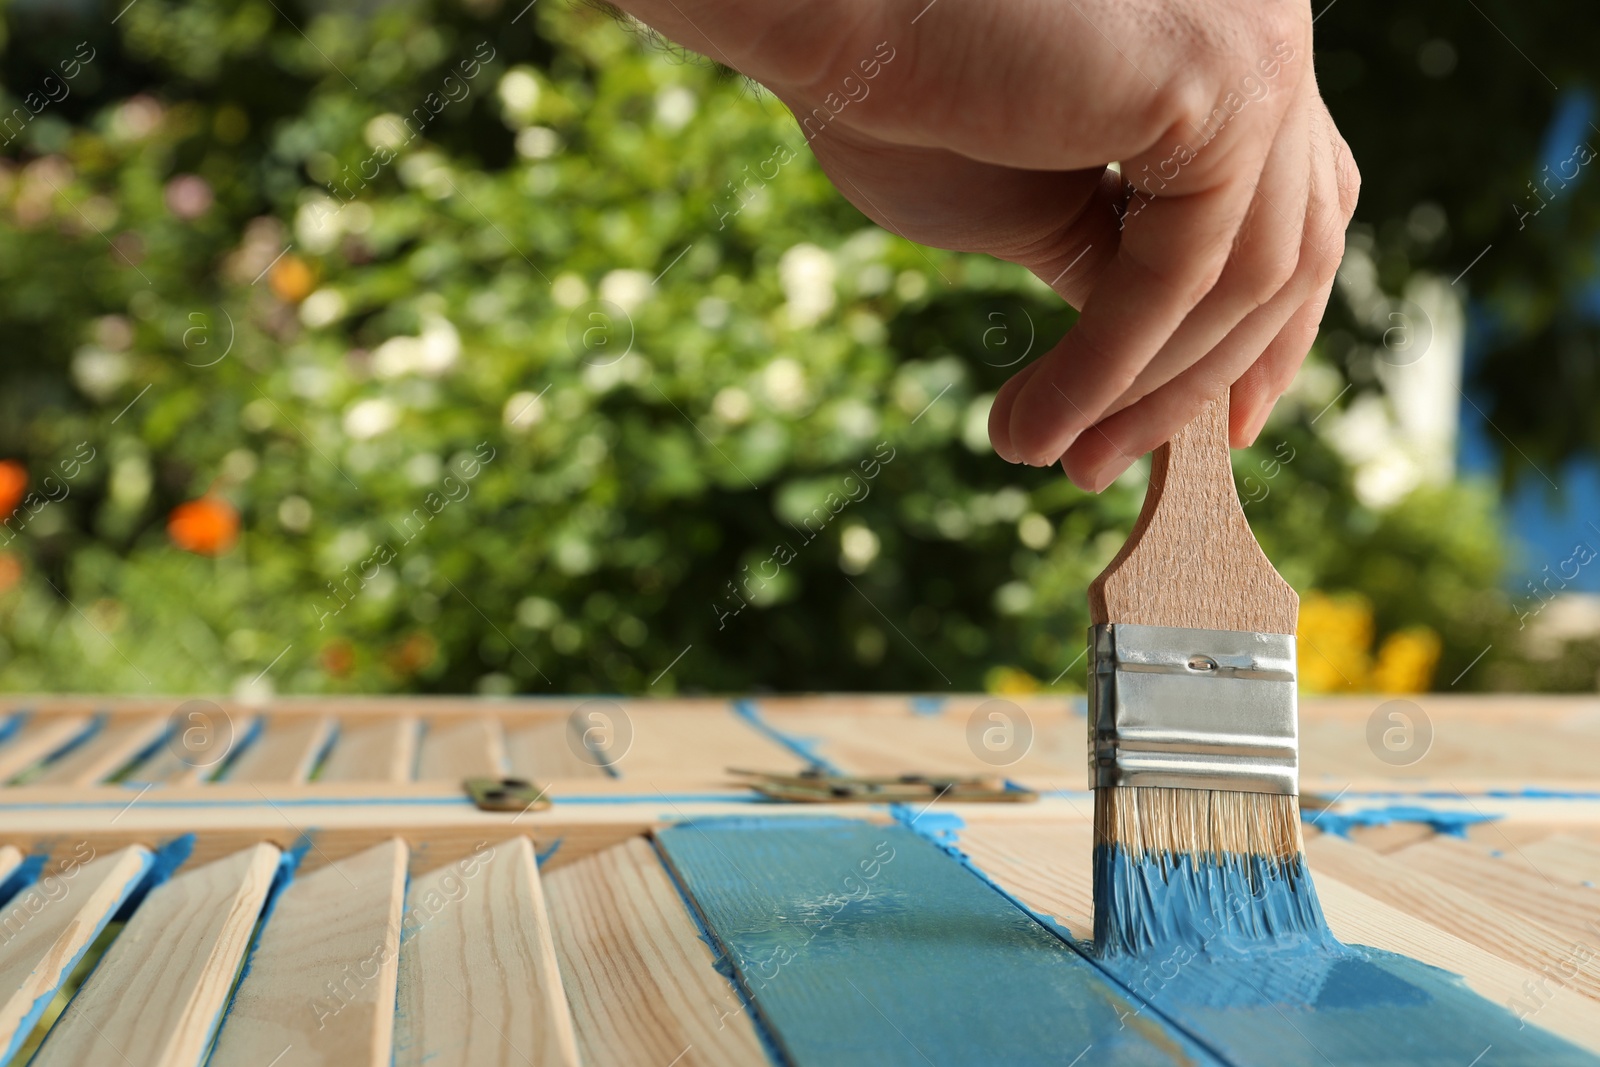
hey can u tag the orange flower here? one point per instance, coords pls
(415, 653)
(13, 484)
(208, 526)
(292, 279)
(338, 657)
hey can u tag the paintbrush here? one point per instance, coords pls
(1192, 722)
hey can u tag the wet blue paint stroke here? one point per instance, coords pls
(1340, 823)
(863, 944)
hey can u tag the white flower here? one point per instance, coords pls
(98, 372)
(369, 418)
(626, 288)
(675, 106)
(784, 382)
(322, 308)
(858, 547)
(317, 223)
(538, 142)
(568, 290)
(806, 274)
(731, 405)
(523, 411)
(519, 92)
(386, 131)
(431, 354)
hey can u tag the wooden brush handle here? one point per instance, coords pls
(1191, 559)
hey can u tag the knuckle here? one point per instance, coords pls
(1348, 177)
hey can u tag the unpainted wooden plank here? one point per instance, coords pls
(116, 744)
(321, 985)
(1513, 935)
(1571, 910)
(452, 751)
(549, 751)
(688, 742)
(1564, 857)
(158, 993)
(479, 982)
(285, 751)
(40, 737)
(643, 985)
(373, 749)
(49, 925)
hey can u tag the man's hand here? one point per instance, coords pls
(1204, 266)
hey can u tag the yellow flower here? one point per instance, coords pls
(1406, 661)
(1334, 640)
(1010, 681)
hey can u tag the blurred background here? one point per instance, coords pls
(499, 348)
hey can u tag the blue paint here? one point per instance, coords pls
(927, 705)
(37, 1008)
(1234, 950)
(12, 724)
(863, 944)
(76, 741)
(804, 747)
(721, 964)
(540, 857)
(1454, 823)
(288, 865)
(163, 864)
(258, 726)
(26, 874)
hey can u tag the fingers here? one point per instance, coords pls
(1260, 355)
(1265, 258)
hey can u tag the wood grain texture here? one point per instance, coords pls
(285, 751)
(545, 751)
(321, 983)
(642, 983)
(686, 744)
(479, 982)
(373, 750)
(40, 737)
(157, 995)
(452, 751)
(1512, 935)
(1191, 559)
(1565, 858)
(49, 925)
(118, 741)
(1573, 911)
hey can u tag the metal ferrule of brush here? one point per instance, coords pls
(1184, 708)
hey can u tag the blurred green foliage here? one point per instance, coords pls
(538, 399)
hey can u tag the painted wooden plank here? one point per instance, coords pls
(865, 944)
(39, 738)
(643, 985)
(546, 752)
(157, 995)
(373, 750)
(116, 744)
(172, 764)
(479, 982)
(320, 986)
(50, 925)
(453, 751)
(1511, 934)
(285, 751)
(1572, 911)
(1042, 865)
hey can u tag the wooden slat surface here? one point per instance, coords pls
(373, 750)
(286, 750)
(157, 995)
(1571, 910)
(112, 748)
(321, 986)
(39, 737)
(1564, 857)
(453, 751)
(479, 982)
(43, 932)
(545, 751)
(172, 764)
(642, 983)
(697, 743)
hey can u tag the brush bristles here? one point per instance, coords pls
(1206, 870)
(1150, 821)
